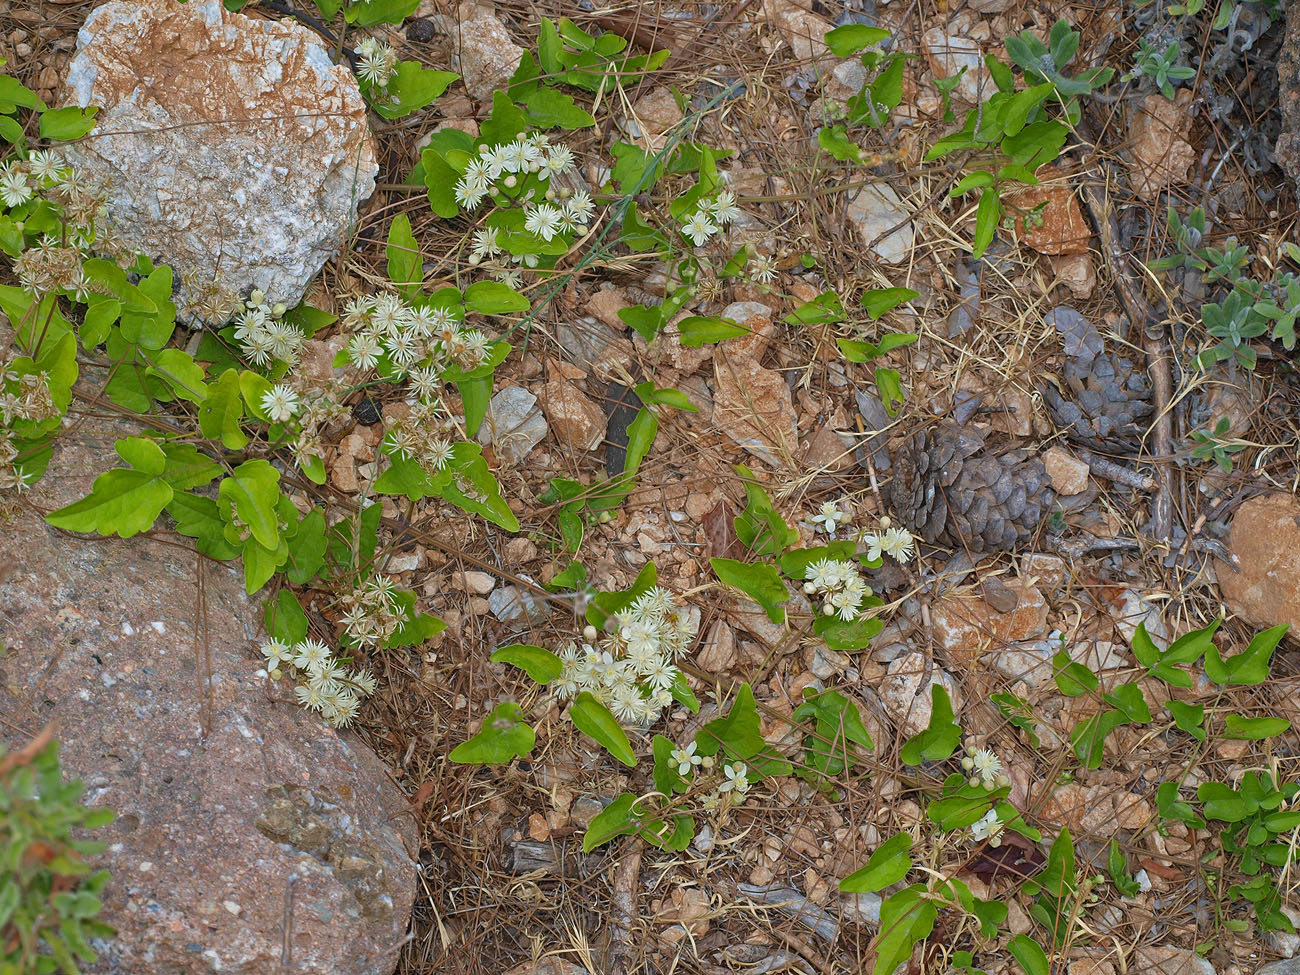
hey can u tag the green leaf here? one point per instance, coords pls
(889, 383)
(835, 141)
(683, 695)
(855, 634)
(1029, 953)
(1189, 718)
(411, 88)
(66, 124)
(1117, 867)
(594, 720)
(698, 330)
(667, 779)
(759, 527)
(1089, 737)
(887, 865)
(123, 501)
(407, 478)
(1252, 729)
(307, 548)
(284, 619)
(440, 179)
(856, 351)
(851, 38)
(16, 93)
(329, 8)
(181, 373)
(468, 465)
(616, 819)
(368, 13)
(649, 393)
(505, 734)
(941, 738)
(738, 733)
(405, 266)
(825, 309)
(505, 122)
(1248, 667)
(987, 215)
(877, 301)
(221, 411)
(548, 108)
(494, 298)
(253, 488)
(541, 665)
(1128, 698)
(1222, 803)
(199, 518)
(759, 580)
(905, 918)
(1072, 679)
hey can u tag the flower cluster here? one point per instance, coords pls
(261, 329)
(376, 62)
(324, 684)
(895, 542)
(24, 398)
(985, 768)
(510, 162)
(839, 585)
(631, 670)
(729, 789)
(420, 340)
(713, 214)
(372, 612)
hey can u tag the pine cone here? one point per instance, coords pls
(949, 489)
(1104, 404)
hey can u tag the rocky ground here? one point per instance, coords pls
(1050, 403)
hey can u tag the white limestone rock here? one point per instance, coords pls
(227, 146)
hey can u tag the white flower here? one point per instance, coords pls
(438, 454)
(485, 242)
(699, 228)
(829, 517)
(14, 189)
(626, 704)
(987, 828)
(579, 206)
(364, 350)
(281, 403)
(276, 652)
(469, 194)
(736, 780)
(724, 208)
(543, 220)
(985, 765)
(559, 159)
(310, 655)
(44, 165)
(375, 68)
(898, 542)
(763, 270)
(685, 759)
(661, 675)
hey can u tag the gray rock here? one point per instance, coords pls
(514, 424)
(229, 147)
(875, 209)
(1286, 966)
(238, 812)
(861, 909)
(510, 604)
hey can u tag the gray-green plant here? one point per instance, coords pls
(1160, 68)
(49, 894)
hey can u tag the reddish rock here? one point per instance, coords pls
(1069, 475)
(1264, 577)
(1161, 155)
(1064, 229)
(578, 422)
(752, 406)
(237, 812)
(965, 624)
